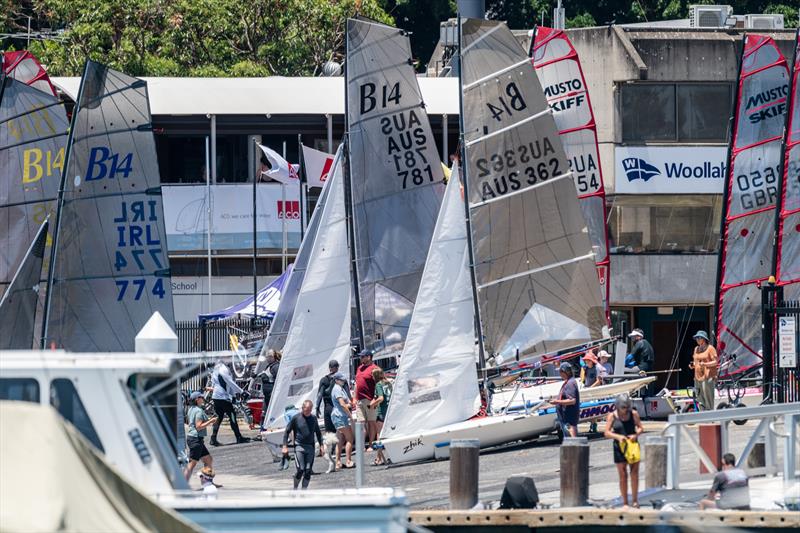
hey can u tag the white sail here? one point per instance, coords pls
(437, 383)
(320, 329)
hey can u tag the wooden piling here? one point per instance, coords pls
(464, 456)
(655, 461)
(574, 472)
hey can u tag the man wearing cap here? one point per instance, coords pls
(305, 427)
(568, 402)
(643, 354)
(324, 394)
(342, 419)
(365, 393)
(198, 421)
(704, 363)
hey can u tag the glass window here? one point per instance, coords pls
(665, 223)
(181, 158)
(64, 397)
(703, 111)
(648, 112)
(19, 389)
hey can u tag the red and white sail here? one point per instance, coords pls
(748, 217)
(559, 70)
(787, 257)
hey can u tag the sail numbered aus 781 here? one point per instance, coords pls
(396, 180)
(559, 69)
(748, 213)
(33, 134)
(110, 270)
(787, 257)
(535, 270)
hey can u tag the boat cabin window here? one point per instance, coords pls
(19, 389)
(64, 397)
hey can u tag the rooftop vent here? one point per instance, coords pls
(709, 16)
(763, 22)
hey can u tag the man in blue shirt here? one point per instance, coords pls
(568, 402)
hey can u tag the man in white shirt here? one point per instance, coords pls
(225, 388)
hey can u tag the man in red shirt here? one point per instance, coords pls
(365, 393)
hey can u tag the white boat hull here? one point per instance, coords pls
(515, 399)
(500, 429)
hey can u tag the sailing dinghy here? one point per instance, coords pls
(394, 181)
(320, 326)
(109, 265)
(521, 253)
(559, 69)
(787, 252)
(749, 200)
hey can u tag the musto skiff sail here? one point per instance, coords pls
(787, 257)
(559, 70)
(320, 328)
(110, 270)
(534, 271)
(33, 133)
(18, 304)
(748, 213)
(395, 180)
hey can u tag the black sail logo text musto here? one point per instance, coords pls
(769, 103)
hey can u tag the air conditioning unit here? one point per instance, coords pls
(763, 22)
(709, 16)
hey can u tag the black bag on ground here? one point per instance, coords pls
(519, 493)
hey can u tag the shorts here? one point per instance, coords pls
(619, 457)
(370, 414)
(197, 449)
(565, 428)
(380, 418)
(339, 421)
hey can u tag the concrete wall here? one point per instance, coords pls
(663, 279)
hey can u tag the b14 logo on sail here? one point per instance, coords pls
(103, 163)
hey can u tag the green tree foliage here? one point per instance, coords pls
(190, 37)
(282, 37)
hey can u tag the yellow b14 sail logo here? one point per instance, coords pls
(38, 163)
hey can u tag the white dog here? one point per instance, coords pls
(330, 440)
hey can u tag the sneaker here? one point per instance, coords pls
(215, 442)
(242, 440)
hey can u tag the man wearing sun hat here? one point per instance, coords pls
(704, 363)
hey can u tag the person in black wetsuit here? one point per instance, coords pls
(324, 395)
(625, 424)
(305, 427)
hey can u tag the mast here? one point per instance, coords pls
(465, 182)
(726, 192)
(59, 204)
(348, 203)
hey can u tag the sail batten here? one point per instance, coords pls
(395, 181)
(110, 268)
(561, 74)
(533, 258)
(749, 209)
(787, 253)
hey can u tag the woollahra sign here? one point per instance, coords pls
(669, 169)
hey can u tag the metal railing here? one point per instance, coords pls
(677, 431)
(210, 336)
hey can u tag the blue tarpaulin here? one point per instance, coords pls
(267, 301)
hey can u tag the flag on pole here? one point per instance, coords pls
(317, 166)
(280, 169)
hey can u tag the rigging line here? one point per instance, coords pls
(547, 111)
(496, 73)
(532, 271)
(520, 191)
